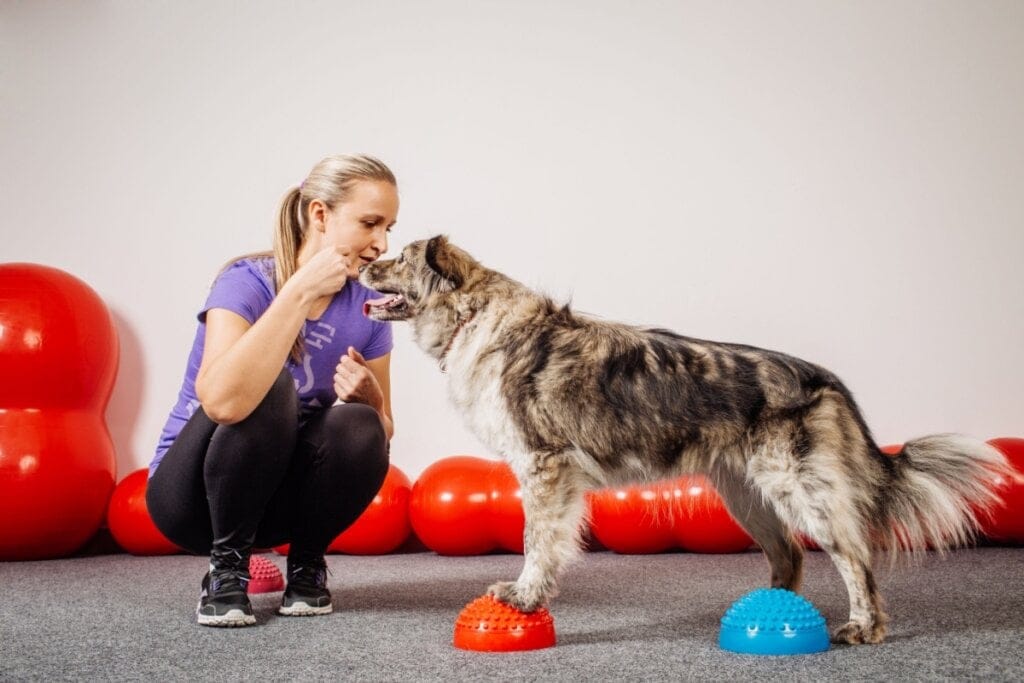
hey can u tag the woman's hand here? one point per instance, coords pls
(355, 383)
(324, 274)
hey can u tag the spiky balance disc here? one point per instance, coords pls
(264, 575)
(773, 621)
(489, 625)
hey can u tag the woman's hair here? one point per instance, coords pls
(330, 181)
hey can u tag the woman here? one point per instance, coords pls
(281, 429)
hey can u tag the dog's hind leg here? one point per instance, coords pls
(814, 493)
(554, 505)
(868, 620)
(827, 512)
(785, 554)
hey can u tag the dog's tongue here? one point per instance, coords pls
(379, 303)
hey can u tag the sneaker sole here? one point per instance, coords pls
(234, 617)
(301, 609)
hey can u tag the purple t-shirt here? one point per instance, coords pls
(247, 288)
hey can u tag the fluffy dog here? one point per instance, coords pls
(573, 402)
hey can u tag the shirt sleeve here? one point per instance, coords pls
(240, 290)
(380, 342)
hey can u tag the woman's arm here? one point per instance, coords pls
(381, 369)
(357, 380)
(241, 361)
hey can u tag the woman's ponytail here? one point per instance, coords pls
(287, 240)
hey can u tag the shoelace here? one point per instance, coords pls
(314, 575)
(230, 571)
(225, 582)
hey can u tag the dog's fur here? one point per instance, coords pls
(573, 403)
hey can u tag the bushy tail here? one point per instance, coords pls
(940, 486)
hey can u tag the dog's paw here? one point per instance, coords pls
(509, 593)
(859, 634)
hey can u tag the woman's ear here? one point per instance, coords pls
(316, 215)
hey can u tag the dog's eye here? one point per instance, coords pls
(400, 259)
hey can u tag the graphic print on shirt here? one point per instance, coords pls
(317, 337)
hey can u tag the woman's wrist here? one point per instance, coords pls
(296, 296)
(375, 402)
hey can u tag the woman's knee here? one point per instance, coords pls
(358, 430)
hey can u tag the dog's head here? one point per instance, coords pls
(425, 271)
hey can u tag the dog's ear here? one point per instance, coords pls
(446, 260)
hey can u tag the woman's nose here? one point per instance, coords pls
(380, 243)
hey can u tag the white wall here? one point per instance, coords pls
(839, 180)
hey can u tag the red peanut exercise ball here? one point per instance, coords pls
(1005, 523)
(450, 506)
(384, 524)
(464, 505)
(632, 519)
(129, 521)
(58, 360)
(702, 522)
(506, 508)
(807, 542)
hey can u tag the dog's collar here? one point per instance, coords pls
(443, 360)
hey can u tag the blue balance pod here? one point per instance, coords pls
(773, 621)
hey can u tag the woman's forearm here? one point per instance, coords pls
(233, 383)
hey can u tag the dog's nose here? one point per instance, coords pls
(363, 267)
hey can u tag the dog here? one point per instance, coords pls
(572, 402)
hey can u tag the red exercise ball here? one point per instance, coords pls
(384, 524)
(506, 508)
(129, 521)
(702, 522)
(633, 519)
(807, 542)
(58, 360)
(1005, 523)
(450, 506)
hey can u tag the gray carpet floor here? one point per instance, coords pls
(119, 617)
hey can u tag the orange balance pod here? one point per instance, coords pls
(489, 625)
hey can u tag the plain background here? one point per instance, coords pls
(839, 180)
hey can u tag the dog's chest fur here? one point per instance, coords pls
(474, 386)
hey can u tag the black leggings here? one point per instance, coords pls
(264, 481)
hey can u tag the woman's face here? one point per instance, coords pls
(361, 223)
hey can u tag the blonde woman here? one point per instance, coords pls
(258, 450)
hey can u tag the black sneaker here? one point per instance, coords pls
(307, 594)
(223, 600)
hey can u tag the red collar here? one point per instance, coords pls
(444, 354)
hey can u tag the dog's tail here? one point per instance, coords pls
(940, 488)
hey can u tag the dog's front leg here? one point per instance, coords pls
(553, 503)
